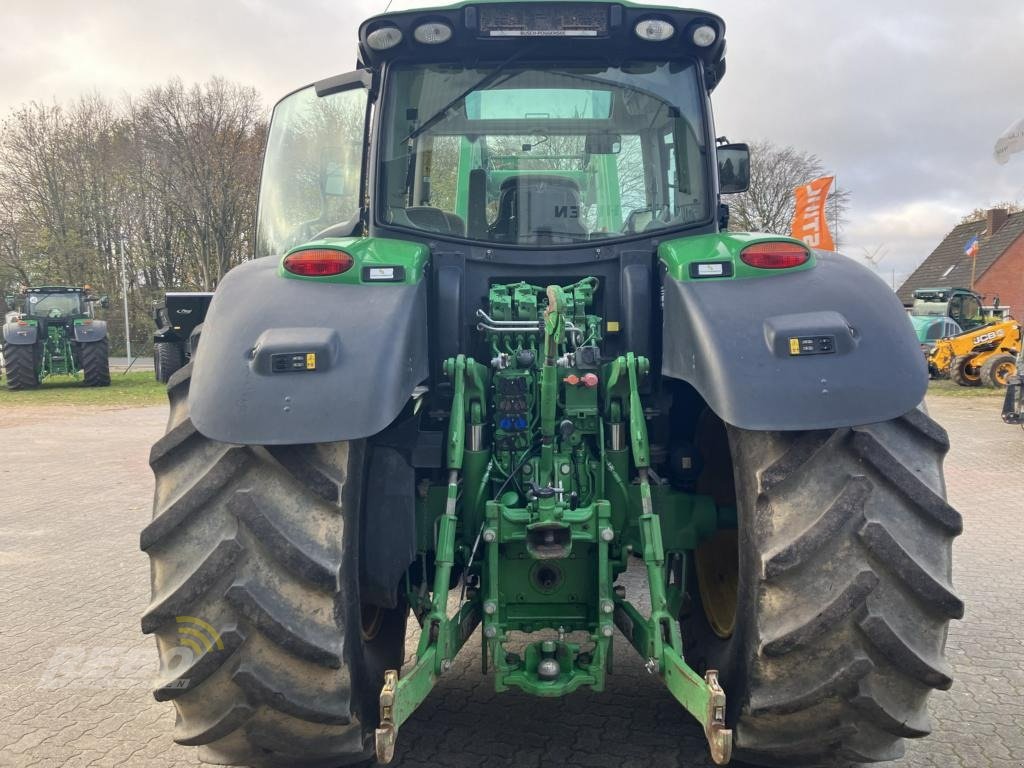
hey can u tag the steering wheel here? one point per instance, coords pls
(55, 313)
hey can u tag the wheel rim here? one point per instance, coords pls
(1002, 373)
(718, 567)
(372, 616)
(970, 373)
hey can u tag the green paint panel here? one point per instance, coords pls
(722, 248)
(368, 253)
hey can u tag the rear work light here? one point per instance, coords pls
(704, 35)
(318, 262)
(383, 38)
(777, 255)
(432, 33)
(655, 30)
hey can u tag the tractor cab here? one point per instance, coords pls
(961, 305)
(498, 126)
(60, 304)
(55, 303)
(561, 141)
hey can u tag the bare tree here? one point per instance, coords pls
(205, 142)
(979, 214)
(769, 204)
(165, 184)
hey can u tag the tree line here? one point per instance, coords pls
(164, 182)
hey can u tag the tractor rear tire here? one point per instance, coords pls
(168, 358)
(95, 363)
(963, 373)
(258, 547)
(844, 594)
(997, 371)
(20, 366)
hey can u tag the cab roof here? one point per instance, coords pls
(611, 35)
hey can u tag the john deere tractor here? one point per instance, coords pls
(55, 332)
(497, 349)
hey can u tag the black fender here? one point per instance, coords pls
(93, 331)
(731, 339)
(20, 334)
(370, 347)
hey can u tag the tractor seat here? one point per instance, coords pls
(538, 209)
(435, 220)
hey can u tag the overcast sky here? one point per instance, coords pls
(903, 100)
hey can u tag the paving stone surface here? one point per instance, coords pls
(75, 489)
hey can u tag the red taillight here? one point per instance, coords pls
(778, 255)
(318, 262)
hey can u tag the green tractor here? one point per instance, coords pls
(55, 333)
(497, 348)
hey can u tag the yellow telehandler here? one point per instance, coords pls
(981, 356)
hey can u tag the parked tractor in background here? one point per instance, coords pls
(55, 332)
(961, 305)
(983, 356)
(176, 317)
(487, 359)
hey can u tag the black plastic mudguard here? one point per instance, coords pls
(94, 331)
(369, 344)
(731, 339)
(20, 334)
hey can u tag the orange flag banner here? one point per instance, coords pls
(809, 222)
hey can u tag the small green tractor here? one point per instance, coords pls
(499, 347)
(55, 333)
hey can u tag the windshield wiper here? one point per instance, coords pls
(483, 82)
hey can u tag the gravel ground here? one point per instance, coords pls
(75, 490)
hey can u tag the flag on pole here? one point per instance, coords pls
(809, 221)
(1010, 142)
(972, 247)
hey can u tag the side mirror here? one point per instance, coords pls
(104, 302)
(733, 168)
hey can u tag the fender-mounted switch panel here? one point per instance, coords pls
(812, 345)
(293, 362)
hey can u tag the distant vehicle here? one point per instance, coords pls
(958, 304)
(930, 329)
(176, 317)
(55, 332)
(981, 356)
